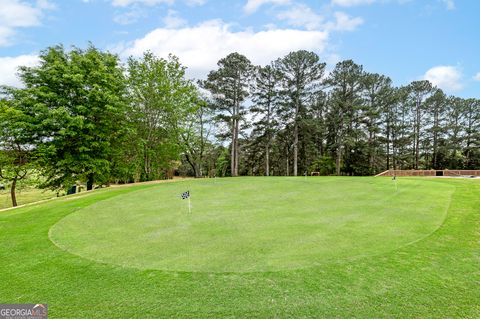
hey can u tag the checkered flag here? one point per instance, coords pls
(186, 195)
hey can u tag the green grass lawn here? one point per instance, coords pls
(252, 247)
(25, 196)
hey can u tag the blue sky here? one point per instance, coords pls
(404, 39)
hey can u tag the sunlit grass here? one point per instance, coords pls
(25, 196)
(254, 224)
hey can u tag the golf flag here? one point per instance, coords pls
(394, 179)
(186, 195)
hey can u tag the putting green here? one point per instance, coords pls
(254, 224)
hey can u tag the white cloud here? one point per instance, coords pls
(201, 46)
(173, 20)
(351, 3)
(9, 67)
(17, 14)
(450, 4)
(126, 3)
(151, 3)
(446, 77)
(343, 22)
(6, 33)
(477, 77)
(129, 17)
(301, 16)
(45, 5)
(136, 10)
(194, 3)
(253, 5)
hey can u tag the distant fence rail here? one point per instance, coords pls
(445, 172)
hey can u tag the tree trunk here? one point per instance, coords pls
(371, 150)
(90, 181)
(237, 150)
(13, 194)
(267, 160)
(394, 151)
(435, 140)
(146, 164)
(199, 171)
(295, 133)
(388, 145)
(267, 146)
(288, 168)
(232, 153)
(338, 160)
(202, 147)
(192, 165)
(295, 150)
(417, 137)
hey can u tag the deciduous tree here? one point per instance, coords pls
(161, 99)
(17, 135)
(78, 95)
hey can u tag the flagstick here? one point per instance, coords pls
(189, 205)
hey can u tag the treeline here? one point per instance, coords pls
(83, 116)
(346, 122)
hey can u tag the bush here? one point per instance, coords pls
(325, 165)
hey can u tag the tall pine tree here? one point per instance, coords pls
(229, 86)
(302, 73)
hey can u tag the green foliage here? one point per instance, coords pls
(161, 101)
(83, 117)
(229, 86)
(302, 73)
(195, 138)
(223, 163)
(324, 165)
(266, 96)
(418, 93)
(345, 103)
(17, 133)
(378, 96)
(78, 98)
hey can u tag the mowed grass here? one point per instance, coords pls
(254, 224)
(414, 253)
